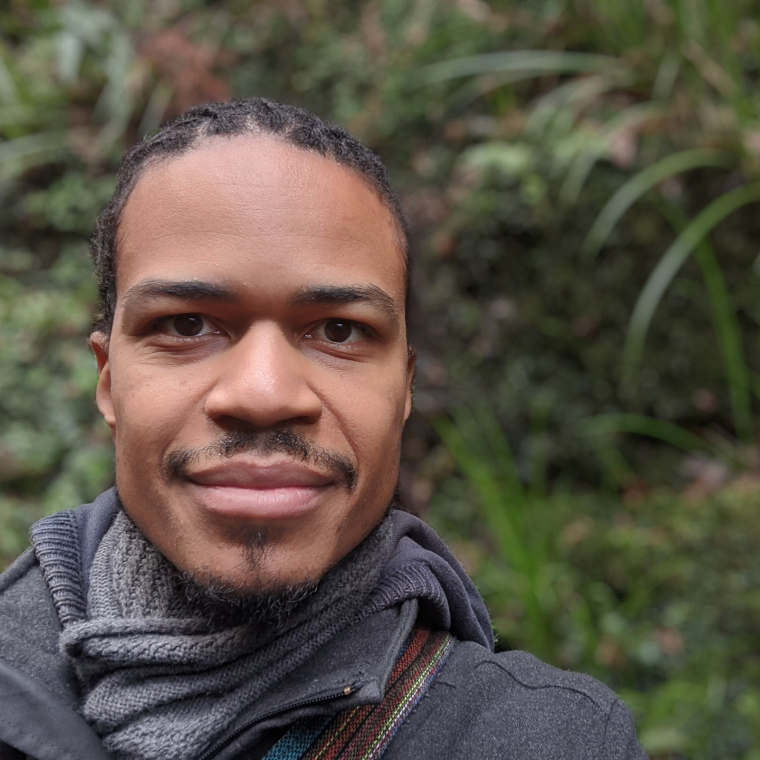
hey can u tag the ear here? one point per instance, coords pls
(99, 346)
(411, 361)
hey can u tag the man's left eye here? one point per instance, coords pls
(339, 331)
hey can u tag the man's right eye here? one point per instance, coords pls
(186, 326)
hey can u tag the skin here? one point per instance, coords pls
(267, 245)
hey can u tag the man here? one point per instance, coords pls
(248, 592)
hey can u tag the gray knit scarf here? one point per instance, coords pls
(158, 679)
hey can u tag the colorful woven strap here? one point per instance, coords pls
(364, 733)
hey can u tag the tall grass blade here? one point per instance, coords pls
(497, 496)
(482, 453)
(539, 460)
(651, 427)
(498, 448)
(156, 108)
(581, 167)
(19, 154)
(8, 92)
(26, 116)
(533, 62)
(476, 88)
(667, 268)
(727, 329)
(70, 54)
(568, 99)
(639, 185)
(665, 80)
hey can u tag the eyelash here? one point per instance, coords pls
(358, 326)
(162, 324)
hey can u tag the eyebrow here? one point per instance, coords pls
(340, 294)
(187, 290)
(199, 290)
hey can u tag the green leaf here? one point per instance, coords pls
(70, 54)
(595, 148)
(569, 98)
(527, 62)
(23, 152)
(669, 265)
(639, 185)
(639, 424)
(8, 93)
(727, 329)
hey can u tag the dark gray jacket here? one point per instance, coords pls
(482, 704)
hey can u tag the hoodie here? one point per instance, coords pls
(480, 705)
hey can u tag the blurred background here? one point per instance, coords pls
(582, 179)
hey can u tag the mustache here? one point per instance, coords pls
(176, 464)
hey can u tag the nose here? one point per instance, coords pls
(263, 380)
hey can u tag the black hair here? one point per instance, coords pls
(255, 116)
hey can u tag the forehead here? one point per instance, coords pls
(250, 206)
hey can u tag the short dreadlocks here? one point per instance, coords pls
(255, 116)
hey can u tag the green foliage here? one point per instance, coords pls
(667, 267)
(656, 595)
(53, 452)
(56, 164)
(684, 632)
(581, 179)
(510, 512)
(568, 144)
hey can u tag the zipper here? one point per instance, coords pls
(220, 745)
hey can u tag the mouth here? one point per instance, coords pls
(269, 491)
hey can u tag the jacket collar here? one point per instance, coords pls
(353, 669)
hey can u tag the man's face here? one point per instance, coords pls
(257, 378)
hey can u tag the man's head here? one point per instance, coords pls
(254, 116)
(252, 349)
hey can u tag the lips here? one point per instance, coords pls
(241, 474)
(260, 491)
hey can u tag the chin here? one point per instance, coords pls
(261, 565)
(224, 602)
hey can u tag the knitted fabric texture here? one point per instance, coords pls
(56, 544)
(422, 567)
(158, 680)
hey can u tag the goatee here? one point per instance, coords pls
(226, 606)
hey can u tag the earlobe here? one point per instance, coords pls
(99, 346)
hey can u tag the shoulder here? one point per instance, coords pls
(29, 623)
(29, 627)
(522, 674)
(513, 705)
(38, 692)
(23, 592)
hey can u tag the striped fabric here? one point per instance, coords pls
(364, 733)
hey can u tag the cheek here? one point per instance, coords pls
(149, 411)
(373, 424)
(153, 385)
